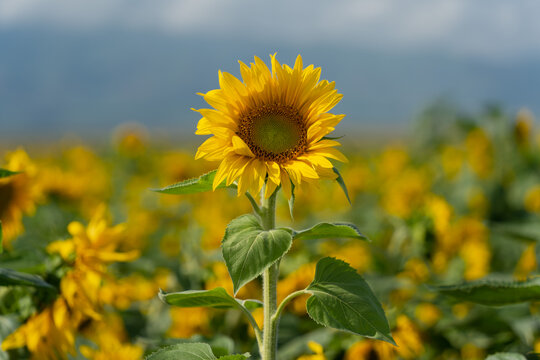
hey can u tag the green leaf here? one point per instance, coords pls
(191, 186)
(520, 231)
(7, 173)
(493, 293)
(1, 239)
(332, 137)
(506, 356)
(248, 249)
(12, 277)
(186, 351)
(331, 230)
(341, 183)
(250, 304)
(291, 201)
(234, 357)
(342, 299)
(216, 298)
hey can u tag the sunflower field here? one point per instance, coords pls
(432, 242)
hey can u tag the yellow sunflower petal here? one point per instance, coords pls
(240, 147)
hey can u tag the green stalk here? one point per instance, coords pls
(270, 277)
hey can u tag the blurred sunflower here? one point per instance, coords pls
(274, 122)
(18, 194)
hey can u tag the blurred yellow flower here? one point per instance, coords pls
(18, 194)
(369, 349)
(477, 255)
(392, 162)
(406, 192)
(111, 339)
(527, 262)
(79, 177)
(440, 211)
(452, 159)
(48, 335)
(407, 338)
(523, 127)
(427, 313)
(121, 293)
(89, 251)
(470, 351)
(187, 322)
(355, 253)
(271, 124)
(477, 202)
(479, 153)
(532, 199)
(317, 349)
(468, 237)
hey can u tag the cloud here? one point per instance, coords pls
(486, 29)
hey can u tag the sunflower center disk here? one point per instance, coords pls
(274, 132)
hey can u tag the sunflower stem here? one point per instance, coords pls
(270, 277)
(254, 205)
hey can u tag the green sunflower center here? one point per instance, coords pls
(274, 132)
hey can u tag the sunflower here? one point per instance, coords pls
(270, 126)
(18, 194)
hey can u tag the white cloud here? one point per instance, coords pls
(482, 28)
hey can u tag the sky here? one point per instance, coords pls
(470, 52)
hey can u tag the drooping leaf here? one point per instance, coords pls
(493, 293)
(216, 298)
(332, 137)
(248, 249)
(342, 299)
(6, 173)
(291, 202)
(191, 186)
(506, 356)
(186, 351)
(331, 230)
(250, 304)
(341, 183)
(12, 277)
(520, 231)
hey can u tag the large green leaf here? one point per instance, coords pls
(341, 183)
(191, 351)
(506, 356)
(234, 357)
(494, 293)
(186, 351)
(331, 230)
(191, 186)
(342, 299)
(248, 249)
(12, 277)
(6, 173)
(215, 298)
(521, 231)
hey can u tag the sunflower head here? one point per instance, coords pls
(270, 127)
